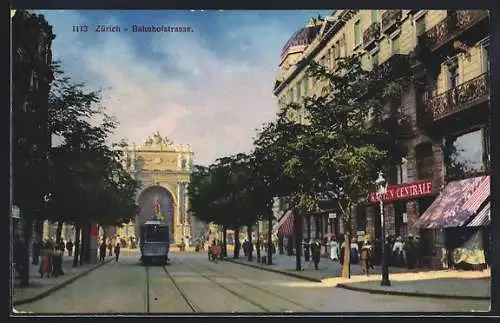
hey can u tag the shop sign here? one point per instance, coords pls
(404, 191)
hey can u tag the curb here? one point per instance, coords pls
(315, 280)
(411, 294)
(59, 286)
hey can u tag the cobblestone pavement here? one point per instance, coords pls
(192, 284)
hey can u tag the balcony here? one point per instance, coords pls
(451, 27)
(464, 96)
(371, 36)
(390, 20)
(393, 68)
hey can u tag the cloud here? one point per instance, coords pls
(211, 101)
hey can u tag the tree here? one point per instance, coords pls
(345, 139)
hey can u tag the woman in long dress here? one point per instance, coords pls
(46, 263)
(334, 249)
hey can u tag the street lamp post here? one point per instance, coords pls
(381, 190)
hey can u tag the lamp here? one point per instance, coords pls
(381, 191)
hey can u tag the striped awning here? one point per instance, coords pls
(448, 209)
(286, 225)
(477, 198)
(483, 218)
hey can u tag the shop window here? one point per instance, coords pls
(465, 154)
(399, 224)
(425, 160)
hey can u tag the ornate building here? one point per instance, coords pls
(163, 170)
(444, 112)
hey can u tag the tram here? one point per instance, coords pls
(155, 241)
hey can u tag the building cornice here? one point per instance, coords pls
(314, 49)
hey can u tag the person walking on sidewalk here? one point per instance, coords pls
(364, 256)
(46, 261)
(117, 251)
(57, 258)
(110, 248)
(69, 247)
(334, 249)
(316, 253)
(102, 250)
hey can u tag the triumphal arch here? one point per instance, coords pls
(163, 170)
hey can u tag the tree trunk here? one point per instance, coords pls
(87, 257)
(236, 251)
(258, 242)
(77, 245)
(281, 245)
(298, 239)
(249, 235)
(59, 232)
(346, 267)
(270, 240)
(223, 254)
(28, 230)
(83, 242)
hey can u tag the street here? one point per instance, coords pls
(192, 284)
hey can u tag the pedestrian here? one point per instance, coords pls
(334, 249)
(57, 258)
(354, 251)
(410, 252)
(46, 260)
(69, 247)
(102, 250)
(61, 246)
(117, 251)
(397, 252)
(316, 253)
(110, 248)
(364, 256)
(37, 247)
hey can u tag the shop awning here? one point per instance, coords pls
(477, 198)
(448, 209)
(483, 218)
(285, 225)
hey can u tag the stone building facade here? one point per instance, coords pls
(445, 110)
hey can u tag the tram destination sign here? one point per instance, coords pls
(404, 192)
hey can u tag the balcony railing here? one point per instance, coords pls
(391, 19)
(451, 27)
(371, 35)
(459, 98)
(390, 68)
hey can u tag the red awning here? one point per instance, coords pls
(286, 226)
(447, 210)
(477, 198)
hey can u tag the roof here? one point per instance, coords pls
(303, 36)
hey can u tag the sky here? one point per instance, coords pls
(210, 88)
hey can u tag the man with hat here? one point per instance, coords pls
(410, 251)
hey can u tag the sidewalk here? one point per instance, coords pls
(416, 282)
(42, 287)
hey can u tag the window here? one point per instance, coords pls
(357, 33)
(453, 76)
(486, 58)
(420, 25)
(375, 59)
(298, 94)
(395, 45)
(465, 154)
(374, 16)
(305, 86)
(425, 160)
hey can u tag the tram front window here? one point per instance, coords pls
(154, 233)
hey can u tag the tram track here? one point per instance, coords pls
(260, 289)
(222, 286)
(147, 306)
